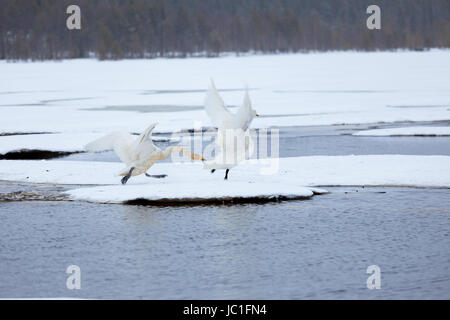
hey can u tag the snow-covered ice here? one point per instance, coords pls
(286, 90)
(190, 181)
(203, 192)
(406, 131)
(50, 142)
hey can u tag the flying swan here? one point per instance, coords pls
(139, 154)
(233, 137)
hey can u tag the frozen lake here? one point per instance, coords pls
(317, 249)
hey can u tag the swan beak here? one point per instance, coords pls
(203, 159)
(256, 114)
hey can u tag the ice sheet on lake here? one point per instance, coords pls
(406, 131)
(190, 180)
(286, 90)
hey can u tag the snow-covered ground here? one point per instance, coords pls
(406, 131)
(190, 181)
(287, 90)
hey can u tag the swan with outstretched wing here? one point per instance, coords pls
(233, 137)
(139, 154)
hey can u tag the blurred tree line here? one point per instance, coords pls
(115, 29)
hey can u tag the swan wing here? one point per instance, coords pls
(147, 134)
(108, 141)
(215, 108)
(145, 147)
(120, 142)
(246, 104)
(244, 115)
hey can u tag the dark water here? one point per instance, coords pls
(326, 141)
(317, 248)
(332, 145)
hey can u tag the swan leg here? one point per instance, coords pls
(157, 176)
(226, 174)
(213, 170)
(125, 179)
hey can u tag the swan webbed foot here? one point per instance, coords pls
(125, 179)
(226, 174)
(213, 170)
(157, 176)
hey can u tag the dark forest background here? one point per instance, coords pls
(115, 29)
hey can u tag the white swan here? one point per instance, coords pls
(233, 137)
(139, 154)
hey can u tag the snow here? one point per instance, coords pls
(192, 192)
(48, 142)
(78, 101)
(190, 181)
(63, 142)
(406, 131)
(286, 90)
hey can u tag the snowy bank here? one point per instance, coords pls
(189, 181)
(406, 131)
